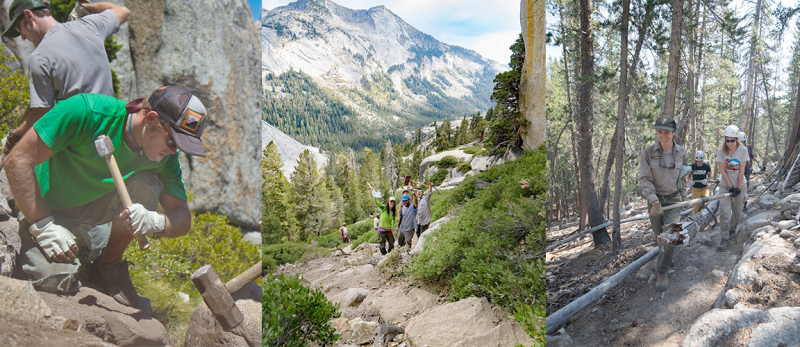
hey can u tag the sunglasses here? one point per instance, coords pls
(730, 141)
(170, 141)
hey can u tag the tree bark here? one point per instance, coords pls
(622, 106)
(674, 58)
(748, 97)
(585, 124)
(648, 18)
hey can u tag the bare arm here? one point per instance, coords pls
(724, 174)
(30, 116)
(179, 217)
(20, 164)
(121, 12)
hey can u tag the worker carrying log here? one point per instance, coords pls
(731, 160)
(659, 172)
(65, 183)
(700, 172)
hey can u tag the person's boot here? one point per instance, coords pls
(662, 282)
(724, 243)
(116, 280)
(383, 251)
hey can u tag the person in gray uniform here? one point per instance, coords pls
(69, 59)
(659, 170)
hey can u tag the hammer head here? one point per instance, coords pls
(104, 145)
(216, 297)
(407, 181)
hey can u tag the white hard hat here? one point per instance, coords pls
(732, 131)
(742, 137)
(699, 156)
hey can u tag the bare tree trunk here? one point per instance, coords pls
(621, 109)
(748, 97)
(612, 152)
(674, 58)
(585, 123)
(792, 136)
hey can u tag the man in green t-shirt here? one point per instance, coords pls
(64, 189)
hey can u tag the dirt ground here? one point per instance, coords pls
(634, 313)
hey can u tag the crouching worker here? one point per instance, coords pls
(71, 211)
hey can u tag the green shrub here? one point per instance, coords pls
(531, 319)
(494, 246)
(472, 150)
(447, 162)
(211, 241)
(294, 315)
(464, 167)
(167, 266)
(285, 253)
(439, 177)
(393, 266)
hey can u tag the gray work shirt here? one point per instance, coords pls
(424, 209)
(409, 215)
(71, 59)
(659, 171)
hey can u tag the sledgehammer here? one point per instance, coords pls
(218, 296)
(104, 148)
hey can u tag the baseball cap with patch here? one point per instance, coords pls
(186, 115)
(15, 12)
(666, 123)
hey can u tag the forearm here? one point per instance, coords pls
(25, 187)
(179, 222)
(30, 116)
(121, 12)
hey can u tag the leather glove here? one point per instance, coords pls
(53, 238)
(738, 191)
(656, 210)
(146, 222)
(761, 167)
(78, 11)
(732, 191)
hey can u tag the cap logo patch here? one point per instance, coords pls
(663, 120)
(191, 122)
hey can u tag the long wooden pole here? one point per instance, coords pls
(558, 318)
(670, 207)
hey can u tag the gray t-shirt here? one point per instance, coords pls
(733, 163)
(71, 59)
(424, 209)
(409, 215)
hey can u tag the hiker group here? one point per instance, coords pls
(661, 169)
(71, 214)
(413, 215)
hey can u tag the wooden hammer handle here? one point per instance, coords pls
(249, 275)
(123, 194)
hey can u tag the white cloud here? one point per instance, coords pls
(494, 46)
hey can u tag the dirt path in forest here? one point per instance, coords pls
(634, 313)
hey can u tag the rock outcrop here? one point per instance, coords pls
(289, 149)
(743, 326)
(465, 323)
(219, 62)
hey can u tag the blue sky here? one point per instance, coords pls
(487, 27)
(255, 6)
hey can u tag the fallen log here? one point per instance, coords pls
(584, 232)
(557, 319)
(681, 233)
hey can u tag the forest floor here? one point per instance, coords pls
(634, 313)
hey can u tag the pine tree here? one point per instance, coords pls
(277, 219)
(310, 197)
(506, 124)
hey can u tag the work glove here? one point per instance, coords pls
(656, 210)
(78, 11)
(738, 191)
(146, 222)
(53, 238)
(761, 167)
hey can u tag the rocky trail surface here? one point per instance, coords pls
(369, 300)
(743, 295)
